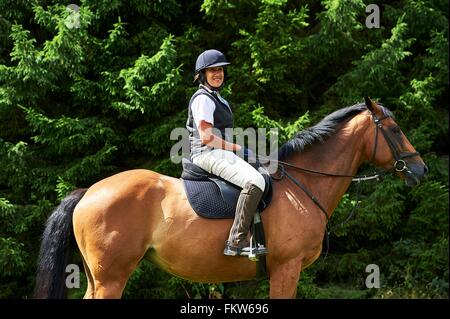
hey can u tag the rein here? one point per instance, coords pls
(355, 178)
(315, 200)
(398, 166)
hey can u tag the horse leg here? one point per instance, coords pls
(112, 260)
(89, 294)
(109, 259)
(110, 289)
(284, 278)
(110, 281)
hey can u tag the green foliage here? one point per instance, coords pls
(146, 98)
(6, 209)
(85, 95)
(67, 135)
(429, 217)
(417, 269)
(144, 136)
(12, 258)
(377, 73)
(63, 188)
(284, 131)
(266, 50)
(149, 282)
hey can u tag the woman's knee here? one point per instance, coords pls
(258, 181)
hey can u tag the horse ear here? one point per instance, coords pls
(370, 104)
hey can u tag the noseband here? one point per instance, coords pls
(399, 164)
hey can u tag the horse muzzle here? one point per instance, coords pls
(414, 174)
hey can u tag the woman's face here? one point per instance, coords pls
(214, 76)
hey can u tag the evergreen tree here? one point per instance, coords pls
(90, 90)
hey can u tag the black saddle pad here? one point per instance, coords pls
(206, 199)
(213, 197)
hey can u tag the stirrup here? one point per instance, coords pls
(256, 251)
(234, 251)
(252, 252)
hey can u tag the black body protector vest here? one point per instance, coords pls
(223, 118)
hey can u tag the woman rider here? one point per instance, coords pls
(212, 150)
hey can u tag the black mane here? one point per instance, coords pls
(319, 132)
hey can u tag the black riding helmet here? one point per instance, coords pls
(208, 59)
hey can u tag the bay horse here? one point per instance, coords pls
(139, 214)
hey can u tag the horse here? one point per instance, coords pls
(140, 214)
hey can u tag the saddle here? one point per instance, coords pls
(213, 197)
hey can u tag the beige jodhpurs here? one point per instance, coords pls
(230, 167)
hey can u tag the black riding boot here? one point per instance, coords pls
(237, 243)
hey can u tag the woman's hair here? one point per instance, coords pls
(201, 77)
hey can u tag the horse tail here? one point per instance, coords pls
(56, 248)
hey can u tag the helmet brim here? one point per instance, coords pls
(217, 64)
(213, 66)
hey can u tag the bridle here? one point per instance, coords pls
(398, 166)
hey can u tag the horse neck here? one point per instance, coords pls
(342, 153)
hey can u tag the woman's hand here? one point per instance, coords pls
(207, 137)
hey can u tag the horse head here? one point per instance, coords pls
(391, 149)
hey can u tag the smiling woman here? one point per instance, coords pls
(212, 149)
(214, 76)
